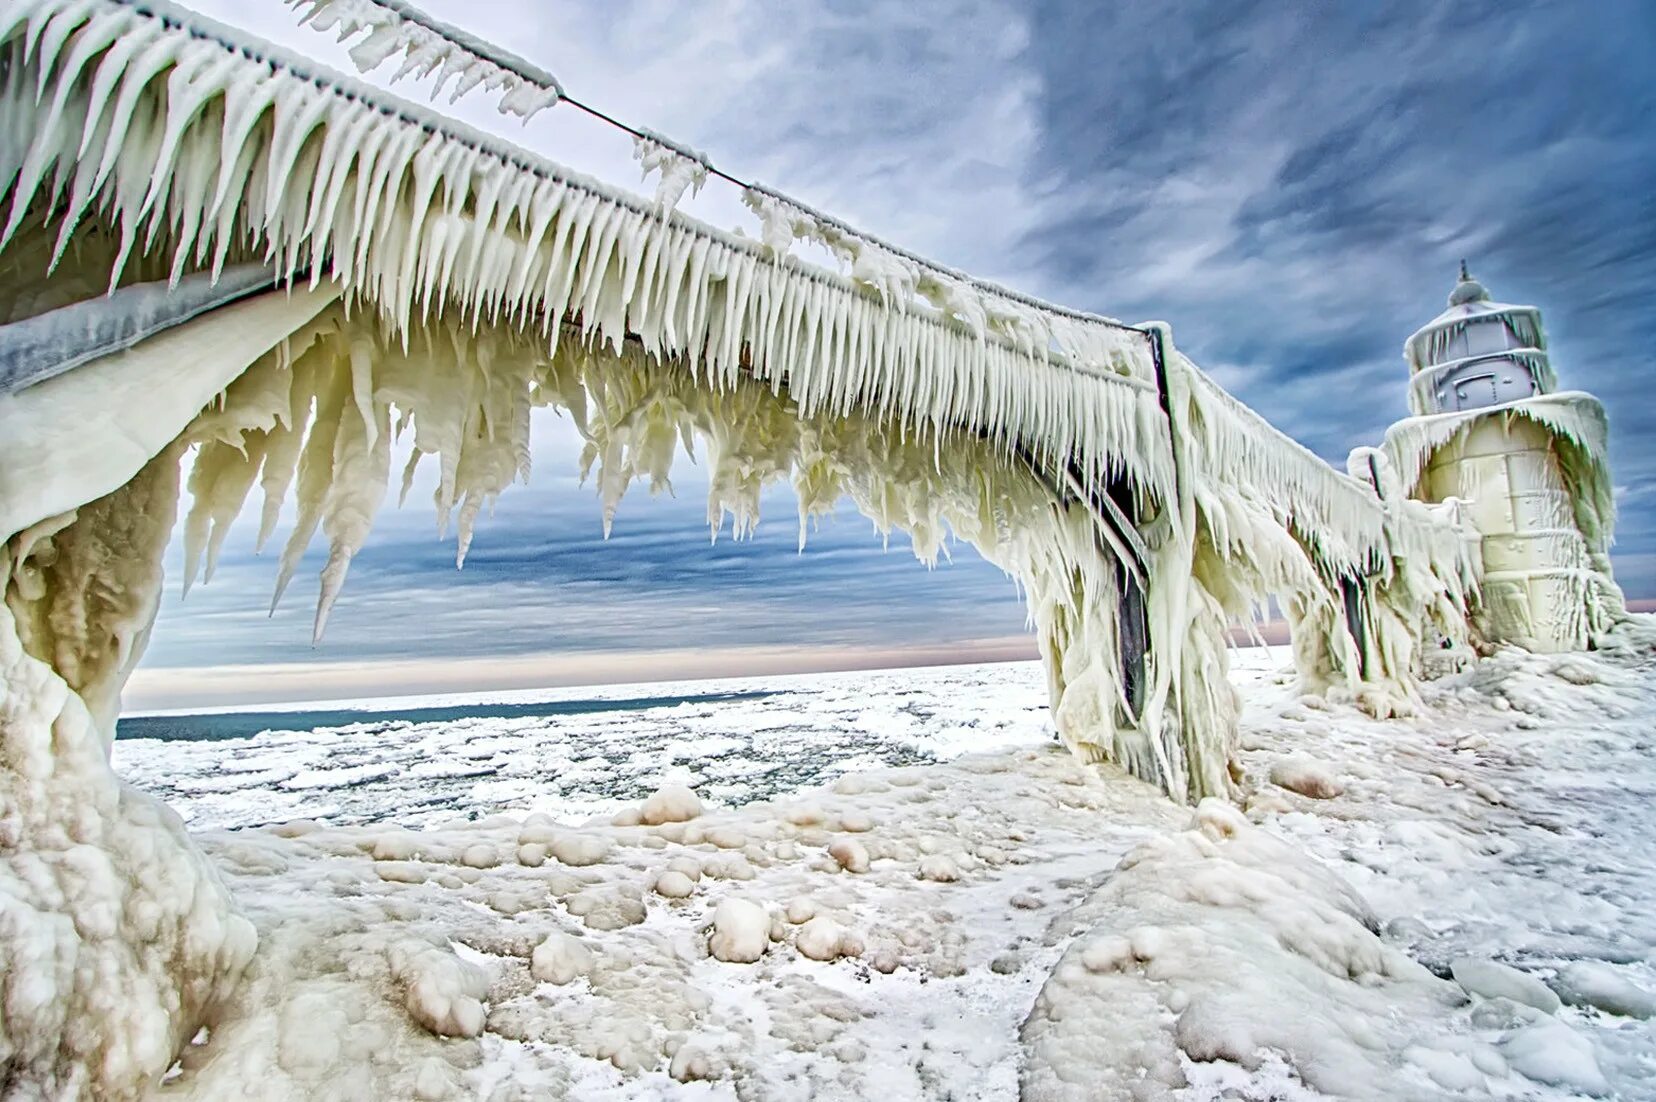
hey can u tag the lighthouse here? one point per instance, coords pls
(1490, 428)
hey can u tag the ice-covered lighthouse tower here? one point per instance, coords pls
(1526, 461)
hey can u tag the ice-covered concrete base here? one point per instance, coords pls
(118, 941)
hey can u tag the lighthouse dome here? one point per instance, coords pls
(1468, 290)
(1477, 353)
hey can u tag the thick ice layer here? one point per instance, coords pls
(1535, 474)
(118, 941)
(1305, 951)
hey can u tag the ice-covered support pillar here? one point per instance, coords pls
(117, 938)
(1190, 710)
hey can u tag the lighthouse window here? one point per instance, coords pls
(1479, 337)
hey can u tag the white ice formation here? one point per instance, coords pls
(434, 50)
(440, 282)
(680, 171)
(1528, 464)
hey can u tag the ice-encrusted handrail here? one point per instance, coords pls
(488, 54)
(1342, 517)
(430, 214)
(1324, 492)
(394, 107)
(930, 367)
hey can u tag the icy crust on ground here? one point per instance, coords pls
(1223, 943)
(1511, 823)
(1468, 917)
(519, 958)
(1499, 841)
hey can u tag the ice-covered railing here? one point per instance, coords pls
(899, 276)
(189, 138)
(1340, 518)
(197, 148)
(419, 214)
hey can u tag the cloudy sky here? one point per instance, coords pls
(1291, 186)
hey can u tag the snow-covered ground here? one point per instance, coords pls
(942, 903)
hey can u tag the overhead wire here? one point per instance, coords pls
(525, 70)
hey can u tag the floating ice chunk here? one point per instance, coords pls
(435, 1081)
(1551, 1052)
(561, 958)
(939, 867)
(806, 815)
(728, 866)
(580, 849)
(608, 906)
(689, 866)
(442, 992)
(480, 856)
(855, 822)
(674, 885)
(1493, 980)
(1594, 983)
(824, 939)
(741, 931)
(726, 837)
(538, 828)
(396, 846)
(1453, 1071)
(690, 1064)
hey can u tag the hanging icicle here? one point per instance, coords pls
(680, 170)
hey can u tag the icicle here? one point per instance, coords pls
(680, 170)
(389, 27)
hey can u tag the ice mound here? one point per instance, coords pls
(671, 803)
(1222, 942)
(741, 931)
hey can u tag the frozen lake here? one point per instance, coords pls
(568, 752)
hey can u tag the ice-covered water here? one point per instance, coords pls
(571, 752)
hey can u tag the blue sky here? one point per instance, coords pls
(1291, 186)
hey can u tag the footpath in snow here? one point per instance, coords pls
(1461, 904)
